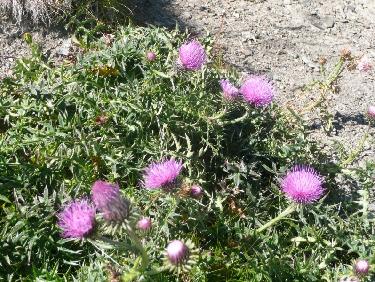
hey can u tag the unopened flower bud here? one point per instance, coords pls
(151, 56)
(371, 112)
(361, 267)
(144, 224)
(322, 61)
(346, 54)
(196, 191)
(177, 252)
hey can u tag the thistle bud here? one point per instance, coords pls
(144, 224)
(180, 256)
(196, 191)
(322, 61)
(361, 267)
(177, 252)
(371, 112)
(346, 54)
(151, 56)
(107, 199)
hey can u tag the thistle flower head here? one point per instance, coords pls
(303, 185)
(180, 255)
(144, 224)
(371, 112)
(230, 92)
(196, 191)
(258, 91)
(151, 56)
(364, 64)
(361, 267)
(177, 252)
(192, 55)
(77, 219)
(162, 174)
(107, 198)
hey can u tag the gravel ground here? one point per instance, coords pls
(282, 38)
(12, 46)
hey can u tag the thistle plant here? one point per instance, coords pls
(108, 122)
(302, 185)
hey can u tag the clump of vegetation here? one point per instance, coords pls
(138, 159)
(48, 11)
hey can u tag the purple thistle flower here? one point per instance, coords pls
(258, 91)
(361, 267)
(107, 198)
(303, 185)
(151, 56)
(192, 55)
(144, 224)
(371, 112)
(77, 219)
(196, 191)
(177, 252)
(364, 65)
(230, 92)
(161, 175)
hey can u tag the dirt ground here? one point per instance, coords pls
(281, 38)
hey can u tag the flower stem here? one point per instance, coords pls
(138, 244)
(136, 271)
(218, 116)
(234, 121)
(357, 150)
(283, 214)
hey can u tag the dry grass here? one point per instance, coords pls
(37, 10)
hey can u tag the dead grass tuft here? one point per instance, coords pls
(37, 10)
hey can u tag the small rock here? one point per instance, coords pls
(65, 47)
(309, 63)
(328, 22)
(322, 23)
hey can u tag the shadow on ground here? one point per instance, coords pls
(156, 12)
(340, 120)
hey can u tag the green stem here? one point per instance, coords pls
(335, 73)
(354, 153)
(141, 249)
(102, 251)
(283, 214)
(242, 118)
(116, 244)
(136, 271)
(218, 116)
(156, 271)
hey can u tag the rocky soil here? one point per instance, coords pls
(53, 41)
(281, 38)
